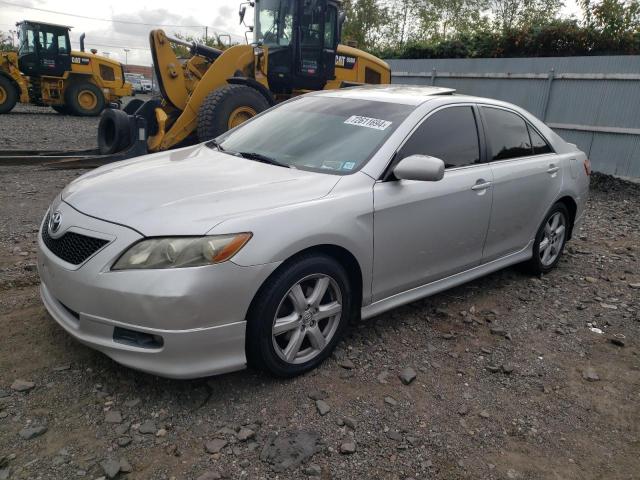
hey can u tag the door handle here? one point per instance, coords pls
(552, 168)
(481, 186)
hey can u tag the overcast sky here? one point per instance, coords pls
(220, 16)
(190, 18)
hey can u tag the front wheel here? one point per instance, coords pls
(299, 316)
(550, 240)
(226, 108)
(8, 95)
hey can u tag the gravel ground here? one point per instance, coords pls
(53, 131)
(510, 380)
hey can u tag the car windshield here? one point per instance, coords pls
(318, 133)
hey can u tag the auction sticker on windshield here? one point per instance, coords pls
(368, 122)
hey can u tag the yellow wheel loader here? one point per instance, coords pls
(296, 49)
(46, 72)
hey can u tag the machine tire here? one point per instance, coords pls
(8, 95)
(133, 105)
(61, 109)
(114, 133)
(225, 108)
(75, 103)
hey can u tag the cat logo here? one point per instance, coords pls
(80, 60)
(344, 61)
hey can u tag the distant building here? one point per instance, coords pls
(146, 71)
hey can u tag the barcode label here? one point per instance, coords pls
(368, 122)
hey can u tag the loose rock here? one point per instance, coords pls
(407, 375)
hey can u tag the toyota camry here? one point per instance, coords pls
(259, 247)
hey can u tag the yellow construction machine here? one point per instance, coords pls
(45, 71)
(296, 49)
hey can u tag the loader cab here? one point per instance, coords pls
(44, 49)
(301, 39)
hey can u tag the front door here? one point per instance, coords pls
(309, 57)
(527, 180)
(425, 231)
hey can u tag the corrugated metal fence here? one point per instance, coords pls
(593, 102)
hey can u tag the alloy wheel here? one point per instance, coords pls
(552, 239)
(307, 318)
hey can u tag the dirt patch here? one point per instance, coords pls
(499, 392)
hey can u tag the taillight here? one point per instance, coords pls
(587, 166)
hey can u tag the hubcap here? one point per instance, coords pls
(552, 239)
(307, 318)
(87, 99)
(240, 115)
(3, 95)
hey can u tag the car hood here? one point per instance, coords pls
(189, 191)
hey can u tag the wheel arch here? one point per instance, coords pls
(338, 253)
(569, 202)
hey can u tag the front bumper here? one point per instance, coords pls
(199, 313)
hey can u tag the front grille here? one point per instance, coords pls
(71, 247)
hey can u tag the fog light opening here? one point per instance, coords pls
(137, 339)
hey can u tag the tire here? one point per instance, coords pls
(226, 108)
(266, 349)
(133, 105)
(114, 134)
(8, 95)
(75, 99)
(549, 243)
(61, 109)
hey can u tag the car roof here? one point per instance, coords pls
(392, 93)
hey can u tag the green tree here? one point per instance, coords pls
(6, 42)
(511, 14)
(183, 52)
(612, 17)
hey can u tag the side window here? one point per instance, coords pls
(507, 134)
(450, 134)
(540, 145)
(63, 48)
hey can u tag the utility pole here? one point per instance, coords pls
(206, 33)
(126, 55)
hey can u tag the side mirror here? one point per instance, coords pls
(241, 13)
(422, 168)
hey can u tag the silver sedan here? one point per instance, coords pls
(259, 248)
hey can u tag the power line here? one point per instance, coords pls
(129, 22)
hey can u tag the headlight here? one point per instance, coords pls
(177, 252)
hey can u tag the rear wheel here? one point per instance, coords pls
(226, 108)
(85, 99)
(550, 240)
(8, 95)
(299, 316)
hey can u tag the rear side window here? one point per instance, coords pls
(507, 134)
(539, 144)
(450, 134)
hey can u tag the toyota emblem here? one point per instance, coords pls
(55, 221)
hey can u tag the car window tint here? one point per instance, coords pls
(450, 135)
(507, 134)
(540, 145)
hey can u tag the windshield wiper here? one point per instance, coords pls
(214, 143)
(262, 158)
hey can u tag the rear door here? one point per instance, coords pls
(526, 180)
(425, 231)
